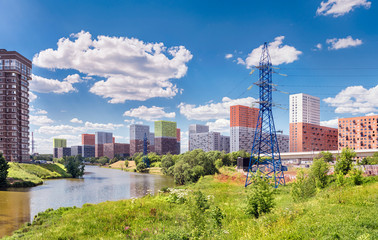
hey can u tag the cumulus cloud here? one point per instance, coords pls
(76, 120)
(184, 139)
(40, 120)
(220, 125)
(354, 100)
(228, 56)
(133, 69)
(41, 111)
(32, 96)
(339, 43)
(213, 110)
(149, 114)
(88, 126)
(279, 53)
(330, 123)
(45, 85)
(74, 78)
(338, 8)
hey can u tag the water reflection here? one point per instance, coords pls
(98, 185)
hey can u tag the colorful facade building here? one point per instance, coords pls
(165, 137)
(100, 139)
(137, 133)
(15, 74)
(358, 132)
(116, 149)
(88, 139)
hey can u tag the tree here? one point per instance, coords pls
(318, 171)
(325, 155)
(167, 164)
(142, 167)
(303, 187)
(373, 160)
(74, 165)
(4, 166)
(344, 161)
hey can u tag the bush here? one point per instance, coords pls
(4, 166)
(303, 187)
(326, 156)
(260, 197)
(167, 165)
(218, 163)
(142, 167)
(344, 161)
(74, 165)
(318, 171)
(373, 160)
(356, 176)
(127, 163)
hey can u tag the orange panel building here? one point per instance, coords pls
(358, 132)
(87, 139)
(243, 116)
(305, 137)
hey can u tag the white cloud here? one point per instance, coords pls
(32, 96)
(74, 78)
(354, 100)
(41, 111)
(338, 8)
(45, 85)
(228, 56)
(40, 120)
(220, 125)
(76, 120)
(213, 110)
(371, 114)
(184, 138)
(318, 47)
(339, 43)
(149, 114)
(134, 70)
(88, 126)
(279, 53)
(240, 61)
(330, 123)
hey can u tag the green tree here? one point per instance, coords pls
(319, 172)
(326, 156)
(344, 161)
(153, 157)
(372, 160)
(103, 160)
(4, 166)
(260, 197)
(303, 187)
(182, 173)
(127, 163)
(74, 165)
(167, 165)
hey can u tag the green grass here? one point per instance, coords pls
(25, 175)
(335, 213)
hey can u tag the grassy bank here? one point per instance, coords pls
(348, 212)
(132, 167)
(28, 175)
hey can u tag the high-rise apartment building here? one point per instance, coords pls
(196, 128)
(201, 138)
(116, 149)
(59, 142)
(100, 139)
(358, 132)
(85, 151)
(304, 108)
(178, 139)
(165, 137)
(88, 139)
(15, 74)
(137, 133)
(306, 134)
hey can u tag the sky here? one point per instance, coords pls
(103, 65)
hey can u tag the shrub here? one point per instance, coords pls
(318, 171)
(167, 164)
(340, 179)
(217, 216)
(260, 197)
(127, 163)
(142, 167)
(326, 156)
(74, 166)
(4, 166)
(344, 161)
(218, 163)
(356, 176)
(303, 187)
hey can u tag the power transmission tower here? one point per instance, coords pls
(145, 151)
(265, 154)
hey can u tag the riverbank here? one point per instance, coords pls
(30, 175)
(132, 167)
(347, 212)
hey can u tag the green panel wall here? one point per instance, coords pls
(165, 129)
(59, 142)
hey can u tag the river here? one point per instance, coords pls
(20, 205)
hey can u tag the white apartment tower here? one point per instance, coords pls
(304, 108)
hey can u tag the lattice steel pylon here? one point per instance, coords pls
(265, 153)
(145, 151)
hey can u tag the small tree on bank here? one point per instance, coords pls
(4, 166)
(344, 161)
(74, 165)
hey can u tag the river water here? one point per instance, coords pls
(20, 205)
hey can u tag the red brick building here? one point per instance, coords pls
(305, 137)
(243, 116)
(87, 139)
(358, 132)
(113, 149)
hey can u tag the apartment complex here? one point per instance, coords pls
(83, 150)
(116, 149)
(166, 137)
(59, 142)
(358, 132)
(88, 139)
(207, 141)
(15, 74)
(306, 134)
(137, 134)
(178, 139)
(100, 139)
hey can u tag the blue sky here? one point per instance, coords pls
(121, 62)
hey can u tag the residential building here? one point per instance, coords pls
(306, 137)
(178, 139)
(15, 74)
(88, 139)
(165, 137)
(76, 150)
(100, 139)
(358, 132)
(63, 152)
(85, 151)
(304, 108)
(137, 134)
(196, 128)
(116, 149)
(59, 142)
